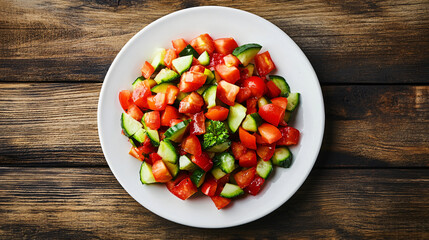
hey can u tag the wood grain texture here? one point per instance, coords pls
(73, 203)
(346, 41)
(366, 126)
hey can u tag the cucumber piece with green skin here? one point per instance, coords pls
(247, 52)
(175, 133)
(252, 122)
(186, 164)
(182, 64)
(217, 173)
(204, 58)
(137, 81)
(202, 89)
(173, 168)
(181, 95)
(166, 75)
(281, 83)
(292, 101)
(197, 177)
(282, 157)
(220, 147)
(140, 135)
(129, 125)
(264, 168)
(263, 101)
(225, 161)
(231, 190)
(209, 96)
(158, 60)
(236, 115)
(146, 176)
(287, 116)
(167, 151)
(152, 134)
(210, 76)
(188, 50)
(161, 88)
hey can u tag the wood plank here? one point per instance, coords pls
(83, 203)
(366, 126)
(352, 42)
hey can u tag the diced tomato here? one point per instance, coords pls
(290, 136)
(245, 177)
(220, 202)
(225, 45)
(247, 139)
(134, 152)
(174, 182)
(135, 112)
(264, 63)
(170, 55)
(153, 157)
(195, 62)
(217, 113)
(184, 189)
(227, 92)
(175, 121)
(203, 161)
(260, 140)
(266, 151)
(191, 103)
(179, 45)
(152, 120)
(198, 124)
(150, 83)
(197, 68)
(191, 81)
(203, 43)
(272, 89)
(146, 147)
(251, 104)
(125, 98)
(169, 114)
(269, 133)
(238, 149)
(209, 186)
(160, 172)
(147, 69)
(171, 94)
(280, 101)
(255, 186)
(231, 60)
(192, 145)
(157, 102)
(244, 74)
(243, 94)
(221, 183)
(216, 59)
(140, 95)
(256, 86)
(229, 74)
(248, 159)
(271, 113)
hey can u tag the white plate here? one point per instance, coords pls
(219, 22)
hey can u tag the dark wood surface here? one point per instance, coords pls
(371, 178)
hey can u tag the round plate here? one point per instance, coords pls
(244, 27)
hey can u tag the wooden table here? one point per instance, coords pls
(371, 178)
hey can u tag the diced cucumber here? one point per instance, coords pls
(204, 58)
(167, 151)
(186, 164)
(202, 89)
(140, 135)
(210, 76)
(166, 75)
(173, 168)
(281, 83)
(225, 161)
(158, 60)
(146, 175)
(236, 115)
(133, 142)
(250, 68)
(152, 134)
(263, 101)
(252, 122)
(247, 52)
(129, 125)
(137, 81)
(220, 147)
(209, 96)
(181, 96)
(189, 50)
(197, 177)
(287, 116)
(217, 173)
(282, 157)
(292, 101)
(231, 190)
(182, 64)
(264, 168)
(176, 132)
(161, 88)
